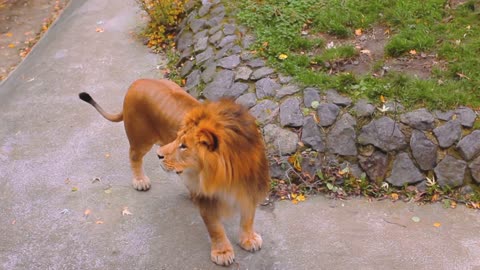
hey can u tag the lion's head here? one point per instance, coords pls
(220, 145)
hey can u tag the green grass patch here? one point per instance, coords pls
(295, 28)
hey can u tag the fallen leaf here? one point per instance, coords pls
(14, 221)
(437, 224)
(107, 155)
(394, 196)
(99, 30)
(358, 32)
(96, 179)
(125, 211)
(315, 104)
(87, 212)
(416, 219)
(458, 74)
(300, 198)
(108, 191)
(294, 201)
(9, 34)
(382, 99)
(365, 51)
(282, 56)
(99, 222)
(11, 45)
(74, 189)
(413, 52)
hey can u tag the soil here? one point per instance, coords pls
(372, 58)
(22, 23)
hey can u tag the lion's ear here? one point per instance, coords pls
(208, 138)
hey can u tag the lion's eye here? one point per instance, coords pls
(182, 146)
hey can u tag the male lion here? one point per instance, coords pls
(152, 113)
(220, 155)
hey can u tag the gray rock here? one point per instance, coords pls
(235, 50)
(204, 9)
(185, 40)
(261, 73)
(209, 72)
(450, 172)
(220, 9)
(265, 111)
(192, 16)
(404, 171)
(215, 19)
(223, 51)
(266, 87)
(334, 97)
(248, 100)
(469, 146)
(200, 35)
(383, 133)
(466, 116)
(214, 29)
(279, 141)
(284, 79)
(448, 134)
(310, 95)
(445, 116)
(227, 40)
(185, 55)
(418, 119)
(246, 56)
(247, 41)
(197, 25)
(201, 45)
(475, 169)
(187, 67)
(243, 73)
(423, 150)
(287, 90)
(215, 38)
(229, 62)
(276, 171)
(220, 85)
(363, 109)
(204, 56)
(229, 29)
(290, 114)
(256, 63)
(375, 166)
(237, 89)
(341, 138)
(193, 79)
(312, 135)
(327, 113)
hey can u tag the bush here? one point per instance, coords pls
(164, 18)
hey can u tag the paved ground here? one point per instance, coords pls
(52, 143)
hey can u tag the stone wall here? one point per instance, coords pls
(389, 144)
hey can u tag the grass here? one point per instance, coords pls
(297, 29)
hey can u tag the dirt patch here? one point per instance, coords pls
(371, 58)
(22, 22)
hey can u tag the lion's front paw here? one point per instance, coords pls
(251, 242)
(141, 184)
(222, 255)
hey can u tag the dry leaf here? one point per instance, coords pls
(107, 155)
(412, 52)
(11, 45)
(99, 222)
(437, 224)
(416, 219)
(87, 212)
(463, 76)
(300, 198)
(9, 34)
(394, 196)
(125, 211)
(382, 99)
(294, 201)
(14, 221)
(358, 32)
(365, 51)
(74, 189)
(99, 30)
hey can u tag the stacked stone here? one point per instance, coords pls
(216, 63)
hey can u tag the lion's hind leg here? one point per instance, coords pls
(221, 248)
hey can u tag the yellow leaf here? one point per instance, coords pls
(99, 30)
(394, 196)
(294, 201)
(386, 32)
(382, 99)
(358, 32)
(413, 52)
(453, 204)
(74, 189)
(293, 195)
(11, 45)
(300, 198)
(437, 224)
(9, 34)
(282, 56)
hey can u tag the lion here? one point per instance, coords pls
(152, 113)
(220, 154)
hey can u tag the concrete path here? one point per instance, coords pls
(51, 144)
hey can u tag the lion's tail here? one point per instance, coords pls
(112, 117)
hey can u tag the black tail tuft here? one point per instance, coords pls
(85, 97)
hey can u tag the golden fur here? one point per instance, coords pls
(152, 113)
(220, 154)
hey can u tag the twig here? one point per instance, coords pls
(394, 223)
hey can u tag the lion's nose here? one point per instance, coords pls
(160, 157)
(179, 172)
